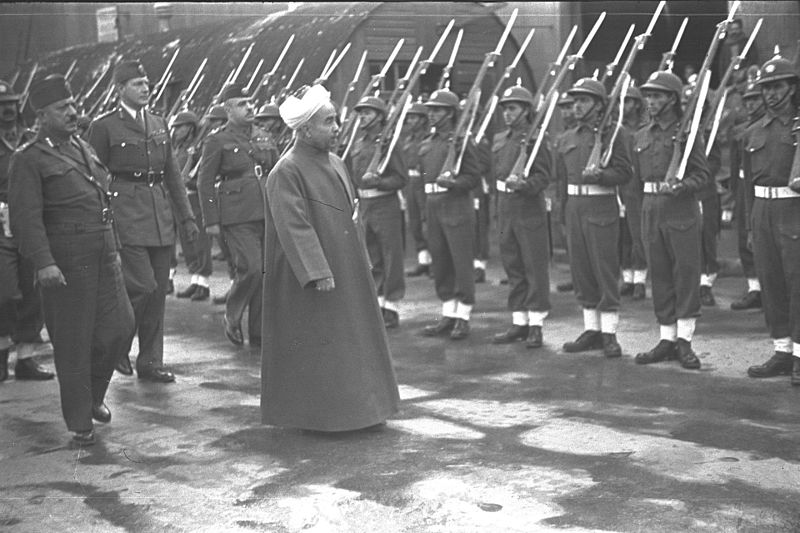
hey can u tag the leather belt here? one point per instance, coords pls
(433, 188)
(71, 228)
(651, 187)
(373, 193)
(589, 190)
(775, 193)
(140, 176)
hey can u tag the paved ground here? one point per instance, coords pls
(488, 438)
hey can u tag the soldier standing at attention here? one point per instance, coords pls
(522, 221)
(768, 153)
(671, 222)
(134, 145)
(61, 216)
(416, 127)
(234, 160)
(380, 208)
(592, 216)
(451, 218)
(558, 192)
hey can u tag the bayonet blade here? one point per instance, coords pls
(649, 30)
(280, 57)
(522, 48)
(591, 35)
(624, 45)
(441, 41)
(454, 53)
(751, 39)
(506, 31)
(567, 44)
(392, 56)
(679, 36)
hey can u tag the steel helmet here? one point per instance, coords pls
(217, 112)
(185, 117)
(7, 92)
(371, 102)
(268, 110)
(417, 108)
(443, 98)
(777, 68)
(664, 81)
(518, 94)
(634, 93)
(589, 86)
(565, 99)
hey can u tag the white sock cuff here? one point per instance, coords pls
(640, 276)
(627, 276)
(591, 320)
(519, 318)
(202, 281)
(609, 322)
(391, 306)
(753, 285)
(381, 302)
(783, 345)
(424, 257)
(194, 279)
(705, 280)
(796, 349)
(463, 311)
(479, 263)
(172, 272)
(536, 318)
(449, 308)
(669, 333)
(686, 328)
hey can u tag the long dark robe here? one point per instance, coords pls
(325, 358)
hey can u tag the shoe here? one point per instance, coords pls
(706, 298)
(639, 291)
(780, 364)
(611, 347)
(626, 289)
(504, 281)
(101, 413)
(390, 319)
(512, 334)
(188, 292)
(480, 275)
(124, 366)
(170, 286)
(221, 300)
(419, 270)
(28, 369)
(233, 332)
(255, 341)
(158, 375)
(588, 340)
(664, 351)
(201, 294)
(441, 328)
(460, 330)
(686, 355)
(795, 379)
(83, 438)
(219, 256)
(534, 337)
(565, 287)
(4, 364)
(751, 300)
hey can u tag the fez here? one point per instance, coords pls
(233, 90)
(53, 88)
(127, 70)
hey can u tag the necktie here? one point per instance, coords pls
(140, 118)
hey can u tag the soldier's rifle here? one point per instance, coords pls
(158, 88)
(183, 99)
(552, 70)
(267, 78)
(611, 67)
(326, 73)
(668, 58)
(190, 96)
(473, 116)
(14, 77)
(351, 87)
(71, 70)
(494, 98)
(794, 174)
(244, 59)
(250, 83)
(402, 83)
(281, 96)
(27, 87)
(711, 120)
(444, 81)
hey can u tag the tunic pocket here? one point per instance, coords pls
(681, 225)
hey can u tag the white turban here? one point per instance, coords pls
(297, 111)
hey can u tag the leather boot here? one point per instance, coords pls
(639, 291)
(512, 334)
(460, 330)
(479, 275)
(626, 289)
(441, 328)
(534, 337)
(391, 319)
(419, 270)
(188, 292)
(780, 364)
(664, 351)
(201, 294)
(706, 296)
(686, 355)
(611, 347)
(4, 364)
(588, 340)
(28, 369)
(795, 371)
(751, 300)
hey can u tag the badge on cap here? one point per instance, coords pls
(434, 95)
(3, 89)
(508, 92)
(580, 82)
(769, 68)
(653, 76)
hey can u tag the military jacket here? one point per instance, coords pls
(505, 151)
(575, 147)
(769, 150)
(393, 178)
(410, 147)
(56, 189)
(233, 161)
(433, 153)
(142, 209)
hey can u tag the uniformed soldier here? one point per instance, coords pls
(522, 221)
(592, 218)
(450, 216)
(670, 222)
(557, 193)
(135, 146)
(416, 127)
(268, 118)
(632, 257)
(61, 216)
(481, 200)
(769, 149)
(21, 317)
(234, 160)
(380, 207)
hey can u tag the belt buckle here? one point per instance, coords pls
(106, 215)
(259, 171)
(151, 178)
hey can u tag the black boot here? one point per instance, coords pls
(29, 369)
(391, 319)
(124, 366)
(780, 364)
(686, 355)
(751, 300)
(588, 340)
(441, 328)
(611, 347)
(534, 337)
(795, 371)
(480, 275)
(706, 296)
(4, 365)
(664, 351)
(639, 291)
(460, 330)
(188, 292)
(201, 294)
(512, 334)
(221, 300)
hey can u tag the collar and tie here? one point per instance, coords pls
(140, 119)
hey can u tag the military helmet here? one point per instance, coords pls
(589, 86)
(752, 90)
(184, 117)
(634, 93)
(777, 68)
(371, 102)
(664, 81)
(268, 110)
(217, 112)
(417, 108)
(565, 99)
(443, 98)
(517, 94)
(7, 92)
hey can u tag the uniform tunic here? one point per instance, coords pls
(522, 221)
(671, 225)
(593, 221)
(145, 185)
(415, 191)
(382, 216)
(196, 253)
(742, 186)
(325, 359)
(451, 218)
(61, 218)
(632, 256)
(482, 199)
(768, 153)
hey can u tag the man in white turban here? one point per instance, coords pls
(325, 358)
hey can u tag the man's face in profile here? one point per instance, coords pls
(322, 130)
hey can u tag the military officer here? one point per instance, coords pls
(450, 217)
(61, 216)
(135, 146)
(592, 217)
(416, 128)
(671, 222)
(522, 222)
(380, 207)
(768, 153)
(234, 158)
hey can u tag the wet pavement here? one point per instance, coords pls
(488, 438)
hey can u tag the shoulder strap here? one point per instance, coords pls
(71, 162)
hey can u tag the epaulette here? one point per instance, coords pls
(25, 146)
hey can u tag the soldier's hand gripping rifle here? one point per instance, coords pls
(267, 79)
(552, 71)
(444, 81)
(668, 58)
(711, 120)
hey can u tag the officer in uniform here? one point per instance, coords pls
(769, 149)
(670, 222)
(234, 159)
(61, 216)
(21, 317)
(522, 221)
(416, 127)
(592, 218)
(135, 146)
(380, 207)
(450, 217)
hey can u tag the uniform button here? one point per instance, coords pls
(115, 194)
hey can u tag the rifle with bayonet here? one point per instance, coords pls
(668, 58)
(444, 81)
(267, 78)
(351, 87)
(182, 100)
(553, 69)
(14, 77)
(611, 67)
(402, 83)
(158, 88)
(27, 87)
(71, 70)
